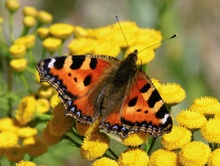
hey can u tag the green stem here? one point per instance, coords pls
(72, 140)
(24, 81)
(60, 51)
(150, 144)
(25, 31)
(31, 57)
(31, 70)
(43, 53)
(11, 25)
(113, 154)
(9, 88)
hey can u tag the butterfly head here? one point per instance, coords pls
(133, 55)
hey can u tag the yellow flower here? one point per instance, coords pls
(156, 83)
(25, 163)
(104, 161)
(60, 123)
(42, 105)
(133, 157)
(217, 115)
(144, 56)
(178, 137)
(37, 78)
(52, 44)
(28, 41)
(211, 132)
(106, 48)
(214, 158)
(43, 32)
(29, 21)
(82, 46)
(18, 65)
(190, 120)
(163, 157)
(35, 146)
(8, 139)
(206, 105)
(12, 5)
(44, 17)
(81, 128)
(26, 110)
(94, 146)
(194, 153)
(45, 92)
(61, 30)
(17, 50)
(8, 124)
(54, 100)
(135, 139)
(49, 138)
(25, 132)
(172, 93)
(29, 11)
(15, 153)
(80, 32)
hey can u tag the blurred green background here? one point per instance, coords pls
(191, 60)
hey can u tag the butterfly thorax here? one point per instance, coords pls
(127, 68)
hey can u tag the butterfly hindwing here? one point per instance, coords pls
(143, 108)
(75, 78)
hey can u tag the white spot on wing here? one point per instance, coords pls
(51, 63)
(164, 120)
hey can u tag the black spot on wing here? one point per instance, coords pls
(145, 88)
(75, 79)
(77, 62)
(93, 63)
(87, 80)
(132, 102)
(138, 110)
(69, 74)
(161, 112)
(155, 97)
(58, 64)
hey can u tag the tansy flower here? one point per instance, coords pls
(177, 138)
(145, 56)
(194, 153)
(25, 132)
(17, 50)
(217, 115)
(29, 11)
(80, 32)
(26, 110)
(37, 78)
(214, 158)
(82, 46)
(45, 92)
(105, 161)
(29, 21)
(12, 5)
(133, 157)
(25, 163)
(43, 32)
(106, 48)
(8, 139)
(94, 146)
(54, 100)
(28, 41)
(211, 132)
(60, 123)
(190, 120)
(61, 30)
(42, 105)
(8, 124)
(172, 93)
(18, 65)
(81, 128)
(163, 157)
(49, 138)
(156, 83)
(135, 139)
(52, 44)
(35, 146)
(206, 105)
(100, 33)
(44, 17)
(15, 153)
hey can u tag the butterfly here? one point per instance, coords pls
(99, 86)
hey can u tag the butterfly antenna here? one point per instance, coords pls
(175, 35)
(116, 17)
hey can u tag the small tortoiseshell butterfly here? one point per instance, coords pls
(92, 86)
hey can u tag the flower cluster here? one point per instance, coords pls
(29, 108)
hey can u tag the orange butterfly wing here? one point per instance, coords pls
(143, 108)
(76, 78)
